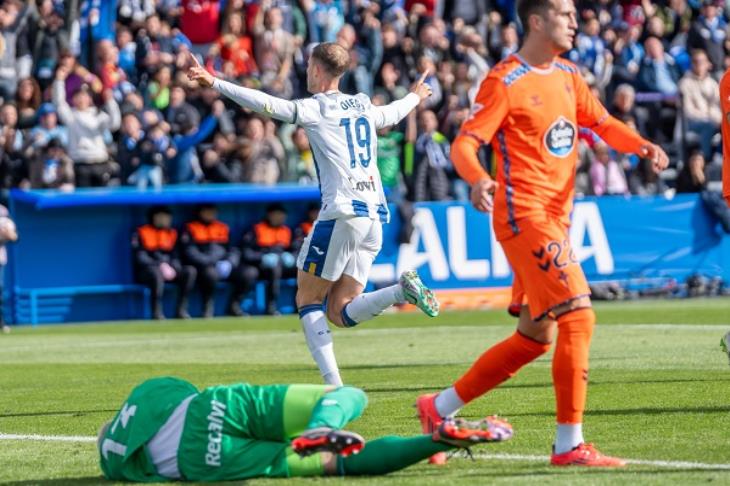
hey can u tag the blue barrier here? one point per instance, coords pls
(614, 237)
(78, 243)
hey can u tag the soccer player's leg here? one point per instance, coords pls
(388, 454)
(315, 267)
(558, 296)
(314, 417)
(494, 366)
(348, 306)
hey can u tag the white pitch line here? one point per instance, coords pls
(478, 455)
(48, 438)
(638, 462)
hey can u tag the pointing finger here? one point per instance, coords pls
(423, 77)
(195, 60)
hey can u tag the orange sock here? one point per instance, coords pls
(570, 364)
(497, 364)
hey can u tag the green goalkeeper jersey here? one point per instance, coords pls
(122, 449)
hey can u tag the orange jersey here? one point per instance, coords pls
(531, 116)
(725, 105)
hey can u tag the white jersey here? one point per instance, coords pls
(342, 135)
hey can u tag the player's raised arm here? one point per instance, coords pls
(394, 112)
(592, 114)
(488, 112)
(252, 99)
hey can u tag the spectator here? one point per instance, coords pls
(184, 166)
(8, 234)
(178, 103)
(629, 54)
(607, 176)
(301, 160)
(127, 53)
(366, 54)
(86, 126)
(268, 247)
(325, 19)
(219, 163)
(432, 164)
(27, 101)
(624, 105)
(708, 33)
(151, 154)
(591, 51)
(305, 227)
(692, 176)
(12, 21)
(510, 42)
(111, 75)
(274, 51)
(643, 181)
(390, 154)
(199, 22)
(262, 153)
(235, 48)
(156, 261)
(47, 128)
(659, 75)
(77, 76)
(158, 91)
(50, 38)
(658, 72)
(701, 102)
(206, 245)
(51, 168)
(11, 146)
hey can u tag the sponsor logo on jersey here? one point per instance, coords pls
(368, 185)
(560, 137)
(215, 433)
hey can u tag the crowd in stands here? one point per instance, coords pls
(94, 92)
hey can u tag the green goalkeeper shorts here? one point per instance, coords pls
(243, 431)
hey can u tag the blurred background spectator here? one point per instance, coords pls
(268, 247)
(8, 234)
(157, 261)
(70, 71)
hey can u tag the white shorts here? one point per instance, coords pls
(337, 246)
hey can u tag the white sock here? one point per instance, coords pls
(448, 402)
(366, 306)
(319, 340)
(568, 437)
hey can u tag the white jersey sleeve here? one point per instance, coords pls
(392, 113)
(307, 112)
(257, 101)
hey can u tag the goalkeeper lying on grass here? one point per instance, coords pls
(168, 430)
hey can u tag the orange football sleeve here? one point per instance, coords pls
(489, 110)
(592, 114)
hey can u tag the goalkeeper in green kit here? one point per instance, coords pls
(169, 430)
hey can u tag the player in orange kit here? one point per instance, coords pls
(530, 107)
(725, 105)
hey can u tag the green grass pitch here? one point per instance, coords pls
(660, 388)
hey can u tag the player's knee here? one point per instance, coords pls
(334, 315)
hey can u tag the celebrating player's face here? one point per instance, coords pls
(561, 24)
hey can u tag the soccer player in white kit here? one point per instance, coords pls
(336, 257)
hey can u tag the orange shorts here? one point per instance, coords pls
(546, 272)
